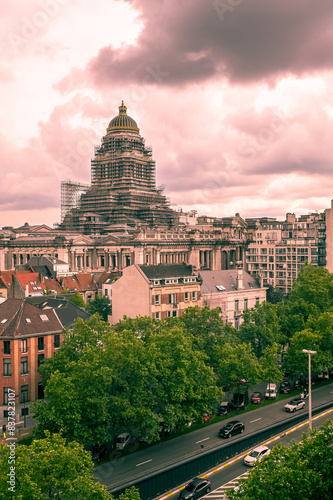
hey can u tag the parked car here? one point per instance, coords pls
(271, 391)
(256, 455)
(122, 440)
(294, 404)
(240, 400)
(98, 451)
(285, 387)
(298, 384)
(257, 398)
(195, 489)
(231, 429)
(224, 408)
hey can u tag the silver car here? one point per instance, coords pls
(294, 404)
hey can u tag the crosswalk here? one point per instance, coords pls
(220, 493)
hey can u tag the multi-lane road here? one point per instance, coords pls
(125, 469)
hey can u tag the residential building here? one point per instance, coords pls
(160, 291)
(232, 290)
(30, 331)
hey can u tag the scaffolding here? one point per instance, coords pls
(71, 193)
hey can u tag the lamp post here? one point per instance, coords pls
(310, 401)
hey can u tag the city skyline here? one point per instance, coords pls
(234, 97)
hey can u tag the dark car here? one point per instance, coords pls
(240, 400)
(195, 489)
(285, 387)
(224, 408)
(257, 398)
(98, 451)
(231, 429)
(298, 384)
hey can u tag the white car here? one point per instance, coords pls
(122, 440)
(271, 391)
(256, 455)
(294, 404)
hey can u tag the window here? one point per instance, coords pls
(24, 394)
(174, 314)
(5, 395)
(172, 298)
(169, 314)
(157, 300)
(24, 365)
(246, 305)
(6, 346)
(40, 359)
(236, 305)
(44, 317)
(5, 414)
(186, 298)
(237, 323)
(7, 367)
(257, 299)
(40, 391)
(105, 291)
(24, 345)
(157, 315)
(41, 343)
(194, 295)
(56, 341)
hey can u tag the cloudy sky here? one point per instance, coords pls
(234, 96)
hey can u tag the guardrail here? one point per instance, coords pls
(155, 484)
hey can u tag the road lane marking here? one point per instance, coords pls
(256, 420)
(137, 465)
(201, 440)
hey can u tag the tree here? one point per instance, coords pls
(50, 468)
(296, 361)
(100, 304)
(314, 285)
(274, 295)
(185, 387)
(301, 471)
(261, 327)
(78, 300)
(236, 364)
(268, 364)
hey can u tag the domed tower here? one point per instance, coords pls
(123, 186)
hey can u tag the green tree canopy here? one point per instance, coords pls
(50, 468)
(301, 471)
(261, 327)
(101, 305)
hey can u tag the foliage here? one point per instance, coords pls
(314, 285)
(301, 471)
(102, 382)
(100, 304)
(268, 364)
(261, 327)
(50, 468)
(274, 295)
(77, 300)
(236, 364)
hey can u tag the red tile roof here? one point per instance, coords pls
(52, 285)
(19, 317)
(86, 281)
(26, 278)
(71, 283)
(7, 277)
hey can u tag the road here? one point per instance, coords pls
(229, 473)
(123, 469)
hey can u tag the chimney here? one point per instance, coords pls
(27, 290)
(239, 279)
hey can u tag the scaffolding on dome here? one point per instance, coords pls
(71, 195)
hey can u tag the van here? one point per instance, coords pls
(271, 391)
(240, 400)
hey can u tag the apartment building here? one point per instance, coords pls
(280, 249)
(161, 291)
(232, 290)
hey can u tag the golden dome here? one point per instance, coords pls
(122, 122)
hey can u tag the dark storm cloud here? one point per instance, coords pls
(184, 42)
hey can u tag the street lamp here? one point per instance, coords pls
(310, 402)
